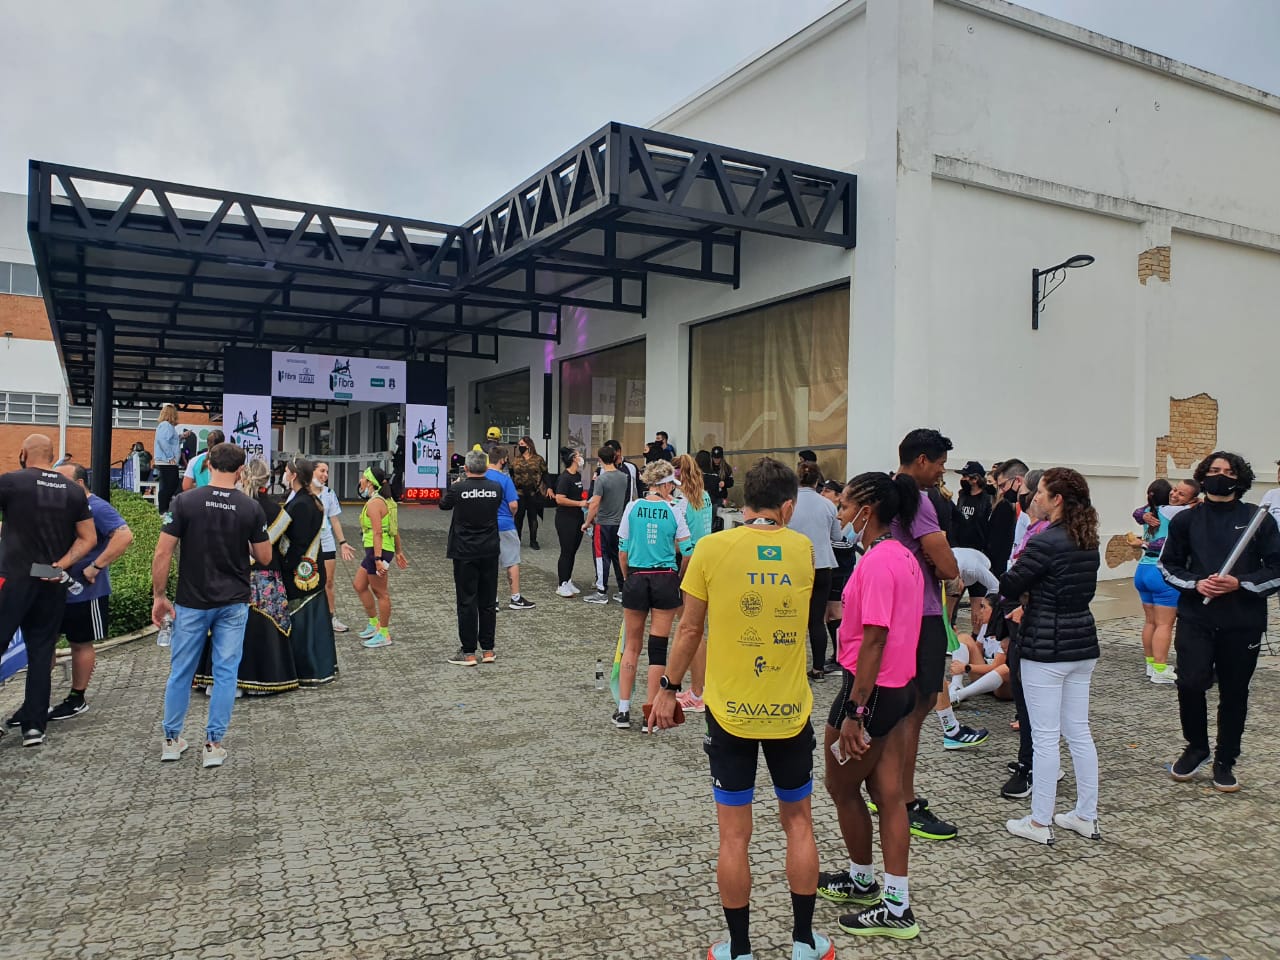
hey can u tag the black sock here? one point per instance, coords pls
(78, 694)
(802, 910)
(739, 920)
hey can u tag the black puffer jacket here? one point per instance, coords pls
(1061, 579)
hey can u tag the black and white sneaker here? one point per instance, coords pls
(622, 720)
(1018, 786)
(598, 597)
(1189, 764)
(617, 597)
(68, 708)
(520, 603)
(964, 738)
(13, 722)
(840, 887)
(32, 738)
(1224, 778)
(880, 921)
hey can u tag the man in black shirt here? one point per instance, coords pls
(473, 548)
(1003, 521)
(1221, 618)
(46, 522)
(221, 527)
(973, 509)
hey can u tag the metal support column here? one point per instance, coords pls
(103, 379)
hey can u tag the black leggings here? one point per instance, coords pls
(818, 616)
(523, 509)
(166, 485)
(569, 530)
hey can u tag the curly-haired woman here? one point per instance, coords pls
(1058, 646)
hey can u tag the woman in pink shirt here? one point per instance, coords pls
(866, 740)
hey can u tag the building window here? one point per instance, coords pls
(29, 408)
(773, 381)
(20, 279)
(503, 402)
(129, 418)
(602, 397)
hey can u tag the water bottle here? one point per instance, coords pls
(165, 637)
(599, 674)
(74, 586)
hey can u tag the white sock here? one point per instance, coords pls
(896, 896)
(861, 873)
(949, 722)
(987, 683)
(624, 706)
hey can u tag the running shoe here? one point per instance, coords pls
(533, 545)
(1086, 828)
(32, 737)
(1189, 764)
(1150, 671)
(880, 921)
(598, 597)
(617, 597)
(840, 887)
(174, 749)
(965, 738)
(1224, 778)
(822, 949)
(379, 639)
(214, 756)
(518, 602)
(68, 708)
(1018, 786)
(622, 719)
(369, 630)
(463, 659)
(488, 656)
(573, 587)
(1028, 830)
(925, 825)
(339, 626)
(1164, 677)
(13, 722)
(720, 951)
(831, 666)
(690, 702)
(563, 590)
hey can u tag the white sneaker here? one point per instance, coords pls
(1150, 671)
(174, 749)
(214, 756)
(1086, 828)
(1165, 676)
(1025, 828)
(564, 590)
(339, 626)
(573, 587)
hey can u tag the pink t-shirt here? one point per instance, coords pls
(886, 589)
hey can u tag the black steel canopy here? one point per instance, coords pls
(171, 273)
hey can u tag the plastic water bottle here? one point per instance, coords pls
(599, 674)
(74, 586)
(165, 637)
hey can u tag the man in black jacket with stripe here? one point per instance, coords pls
(1221, 619)
(473, 546)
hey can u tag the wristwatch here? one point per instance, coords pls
(968, 667)
(95, 567)
(858, 711)
(666, 684)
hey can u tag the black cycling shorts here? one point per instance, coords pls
(651, 590)
(733, 764)
(888, 706)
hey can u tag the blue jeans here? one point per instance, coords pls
(190, 629)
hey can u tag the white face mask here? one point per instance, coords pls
(857, 533)
(366, 493)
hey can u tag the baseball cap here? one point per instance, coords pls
(973, 469)
(717, 451)
(493, 433)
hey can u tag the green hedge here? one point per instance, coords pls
(131, 574)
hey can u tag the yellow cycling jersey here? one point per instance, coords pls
(756, 581)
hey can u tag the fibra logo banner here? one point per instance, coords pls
(768, 552)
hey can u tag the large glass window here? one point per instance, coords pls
(602, 397)
(772, 382)
(28, 408)
(503, 402)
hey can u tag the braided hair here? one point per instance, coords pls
(891, 497)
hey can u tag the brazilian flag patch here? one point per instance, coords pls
(768, 552)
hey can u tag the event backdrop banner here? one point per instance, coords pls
(315, 376)
(426, 429)
(14, 657)
(247, 422)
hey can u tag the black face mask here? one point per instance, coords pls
(1011, 495)
(1219, 485)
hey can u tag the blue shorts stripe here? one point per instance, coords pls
(735, 798)
(794, 794)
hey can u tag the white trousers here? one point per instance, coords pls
(1058, 704)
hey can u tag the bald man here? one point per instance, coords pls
(46, 522)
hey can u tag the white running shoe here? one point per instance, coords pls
(1086, 828)
(1025, 828)
(214, 756)
(339, 626)
(1150, 671)
(1165, 676)
(564, 590)
(573, 587)
(174, 749)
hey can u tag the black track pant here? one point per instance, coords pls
(476, 584)
(818, 616)
(569, 530)
(1231, 654)
(36, 607)
(523, 509)
(166, 485)
(1026, 751)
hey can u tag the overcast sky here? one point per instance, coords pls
(428, 108)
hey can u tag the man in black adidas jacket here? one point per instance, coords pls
(473, 548)
(1224, 634)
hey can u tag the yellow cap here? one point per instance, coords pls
(493, 433)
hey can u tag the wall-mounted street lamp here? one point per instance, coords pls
(1056, 273)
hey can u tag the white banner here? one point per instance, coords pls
(579, 432)
(318, 377)
(426, 433)
(247, 422)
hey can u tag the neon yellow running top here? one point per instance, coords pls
(390, 524)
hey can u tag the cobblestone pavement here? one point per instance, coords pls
(415, 809)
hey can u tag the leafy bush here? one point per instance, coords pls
(131, 574)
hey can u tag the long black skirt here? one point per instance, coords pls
(267, 664)
(314, 652)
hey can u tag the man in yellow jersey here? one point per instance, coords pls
(755, 581)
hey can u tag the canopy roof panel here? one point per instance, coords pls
(181, 272)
